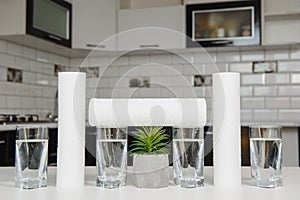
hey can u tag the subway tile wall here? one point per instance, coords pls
(37, 93)
(265, 97)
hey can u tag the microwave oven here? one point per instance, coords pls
(236, 23)
(50, 20)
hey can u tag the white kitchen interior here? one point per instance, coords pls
(269, 71)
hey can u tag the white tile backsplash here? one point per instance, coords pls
(162, 59)
(3, 46)
(119, 61)
(265, 91)
(246, 91)
(29, 53)
(181, 81)
(192, 69)
(295, 53)
(295, 78)
(265, 97)
(277, 102)
(204, 57)
(277, 78)
(228, 56)
(37, 93)
(95, 61)
(21, 90)
(14, 49)
(253, 79)
(253, 102)
(289, 66)
(22, 63)
(13, 102)
(183, 58)
(7, 60)
(7, 88)
(139, 60)
(3, 72)
(246, 115)
(252, 55)
(241, 67)
(295, 102)
(149, 92)
(30, 102)
(265, 115)
(42, 56)
(215, 68)
(163, 81)
(2, 101)
(282, 54)
(289, 115)
(289, 90)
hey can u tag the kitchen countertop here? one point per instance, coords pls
(290, 190)
(8, 127)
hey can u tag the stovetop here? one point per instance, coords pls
(17, 119)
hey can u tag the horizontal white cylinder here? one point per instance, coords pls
(147, 112)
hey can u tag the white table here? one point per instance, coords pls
(290, 190)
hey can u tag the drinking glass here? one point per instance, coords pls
(31, 157)
(266, 156)
(111, 156)
(188, 157)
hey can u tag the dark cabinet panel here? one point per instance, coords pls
(7, 147)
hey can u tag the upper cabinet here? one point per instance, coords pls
(167, 30)
(94, 24)
(33, 22)
(281, 22)
(207, 1)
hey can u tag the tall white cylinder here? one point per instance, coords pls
(71, 130)
(226, 130)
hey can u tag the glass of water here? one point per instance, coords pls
(188, 157)
(111, 156)
(266, 156)
(31, 157)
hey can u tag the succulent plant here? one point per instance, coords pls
(150, 140)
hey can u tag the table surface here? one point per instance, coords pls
(290, 190)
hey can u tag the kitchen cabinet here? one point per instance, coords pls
(7, 147)
(169, 35)
(94, 22)
(126, 4)
(281, 22)
(15, 26)
(207, 1)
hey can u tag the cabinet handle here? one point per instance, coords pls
(222, 42)
(95, 46)
(2, 141)
(148, 45)
(54, 37)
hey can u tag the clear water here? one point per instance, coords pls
(266, 161)
(188, 162)
(31, 163)
(111, 162)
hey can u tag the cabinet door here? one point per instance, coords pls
(93, 23)
(169, 35)
(282, 22)
(282, 30)
(207, 1)
(7, 148)
(279, 6)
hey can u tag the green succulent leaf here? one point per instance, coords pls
(150, 140)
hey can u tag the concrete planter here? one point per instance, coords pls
(151, 171)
